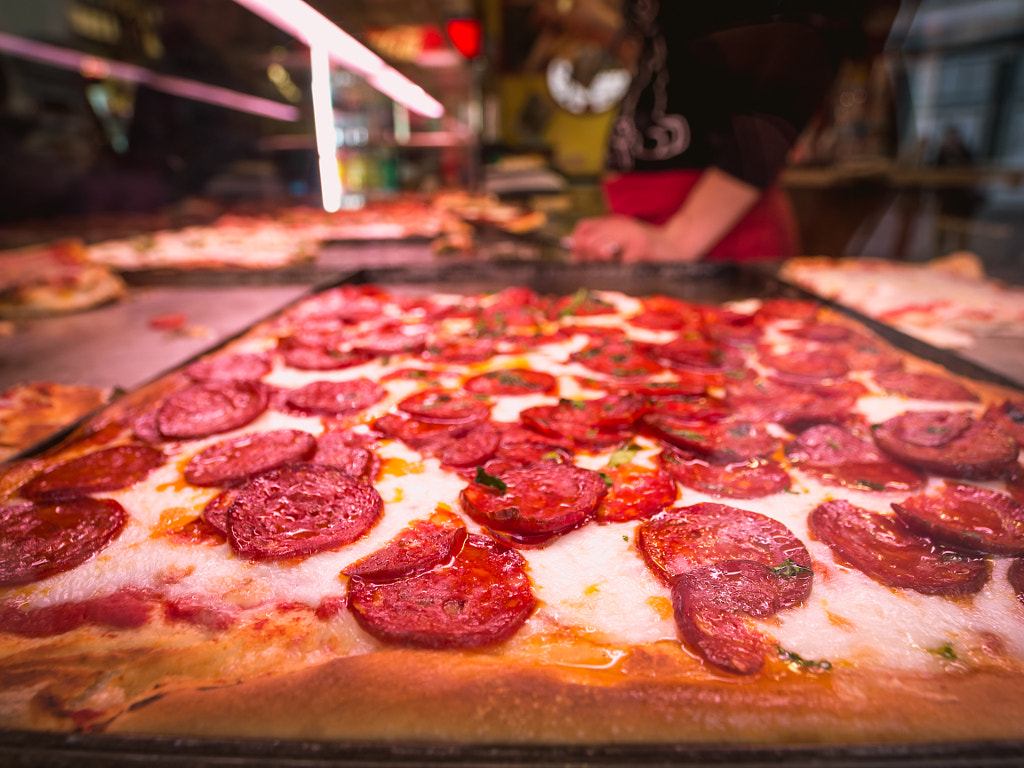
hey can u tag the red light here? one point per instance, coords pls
(466, 36)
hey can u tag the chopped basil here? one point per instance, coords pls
(788, 569)
(623, 455)
(947, 652)
(795, 660)
(575, 303)
(607, 480)
(870, 485)
(490, 480)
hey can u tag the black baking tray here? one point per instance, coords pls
(705, 283)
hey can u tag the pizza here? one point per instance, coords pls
(54, 279)
(388, 514)
(34, 410)
(948, 302)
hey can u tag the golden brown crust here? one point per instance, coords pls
(404, 695)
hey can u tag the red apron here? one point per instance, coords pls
(768, 231)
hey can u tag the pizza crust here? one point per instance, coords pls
(428, 696)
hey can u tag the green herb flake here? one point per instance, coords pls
(798, 662)
(490, 481)
(946, 651)
(870, 485)
(607, 480)
(624, 455)
(788, 569)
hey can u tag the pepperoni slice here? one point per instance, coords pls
(543, 498)
(300, 510)
(215, 511)
(885, 549)
(968, 518)
(211, 407)
(342, 450)
(787, 309)
(620, 358)
(312, 357)
(948, 443)
(446, 406)
(683, 539)
(43, 539)
(336, 398)
(862, 353)
(239, 366)
(419, 435)
(474, 448)
(1008, 416)
(753, 479)
(107, 469)
(1016, 578)
(710, 604)
(924, 386)
(246, 455)
(725, 441)
(697, 356)
(479, 599)
(392, 340)
(599, 423)
(839, 457)
(636, 493)
(802, 366)
(823, 332)
(424, 545)
(511, 381)
(462, 350)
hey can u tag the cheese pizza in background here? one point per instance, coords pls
(947, 302)
(513, 518)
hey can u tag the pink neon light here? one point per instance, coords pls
(94, 67)
(317, 31)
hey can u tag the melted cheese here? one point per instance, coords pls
(592, 581)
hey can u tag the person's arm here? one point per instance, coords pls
(715, 205)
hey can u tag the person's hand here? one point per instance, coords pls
(620, 238)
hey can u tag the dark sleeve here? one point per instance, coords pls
(746, 93)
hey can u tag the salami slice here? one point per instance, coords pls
(636, 493)
(211, 407)
(885, 549)
(828, 333)
(511, 381)
(312, 357)
(752, 479)
(697, 356)
(239, 366)
(966, 517)
(424, 545)
(480, 599)
(343, 450)
(1008, 416)
(446, 406)
(806, 366)
(243, 456)
(683, 539)
(42, 539)
(723, 441)
(215, 511)
(949, 443)
(587, 423)
(474, 448)
(1016, 578)
(543, 498)
(419, 435)
(620, 358)
(300, 510)
(837, 456)
(108, 469)
(710, 605)
(336, 398)
(924, 386)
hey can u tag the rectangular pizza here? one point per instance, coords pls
(421, 515)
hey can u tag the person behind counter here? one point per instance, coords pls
(720, 93)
